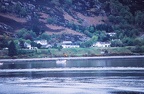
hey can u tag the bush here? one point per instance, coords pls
(116, 43)
(138, 49)
(128, 41)
(104, 27)
(26, 34)
(25, 51)
(50, 20)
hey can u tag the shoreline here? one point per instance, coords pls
(71, 58)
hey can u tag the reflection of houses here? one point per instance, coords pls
(69, 44)
(101, 44)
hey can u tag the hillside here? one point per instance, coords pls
(67, 19)
(47, 14)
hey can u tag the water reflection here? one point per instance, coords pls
(126, 62)
(88, 76)
(126, 92)
(73, 73)
(73, 85)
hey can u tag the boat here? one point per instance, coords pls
(61, 62)
(1, 64)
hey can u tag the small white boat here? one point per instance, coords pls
(61, 62)
(1, 64)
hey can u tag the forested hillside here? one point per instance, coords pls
(81, 21)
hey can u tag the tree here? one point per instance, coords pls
(33, 44)
(3, 42)
(116, 43)
(91, 29)
(44, 36)
(94, 39)
(50, 20)
(23, 12)
(134, 5)
(29, 35)
(128, 41)
(21, 44)
(126, 14)
(12, 50)
(138, 42)
(115, 7)
(68, 2)
(90, 42)
(17, 8)
(37, 29)
(26, 34)
(21, 32)
(103, 37)
(88, 33)
(139, 19)
(56, 2)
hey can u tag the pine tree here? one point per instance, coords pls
(12, 51)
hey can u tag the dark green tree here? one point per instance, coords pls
(44, 36)
(127, 41)
(17, 8)
(90, 42)
(37, 29)
(3, 42)
(21, 44)
(12, 50)
(116, 43)
(139, 19)
(26, 34)
(21, 32)
(91, 29)
(89, 34)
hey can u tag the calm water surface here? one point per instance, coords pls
(75, 76)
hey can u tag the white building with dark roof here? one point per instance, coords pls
(69, 44)
(101, 44)
(42, 42)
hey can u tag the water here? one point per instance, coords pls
(77, 76)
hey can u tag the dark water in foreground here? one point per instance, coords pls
(80, 76)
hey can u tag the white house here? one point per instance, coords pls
(42, 42)
(48, 46)
(101, 44)
(111, 34)
(27, 45)
(69, 44)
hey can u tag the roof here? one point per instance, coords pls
(67, 42)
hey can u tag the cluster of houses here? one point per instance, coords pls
(43, 43)
(64, 44)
